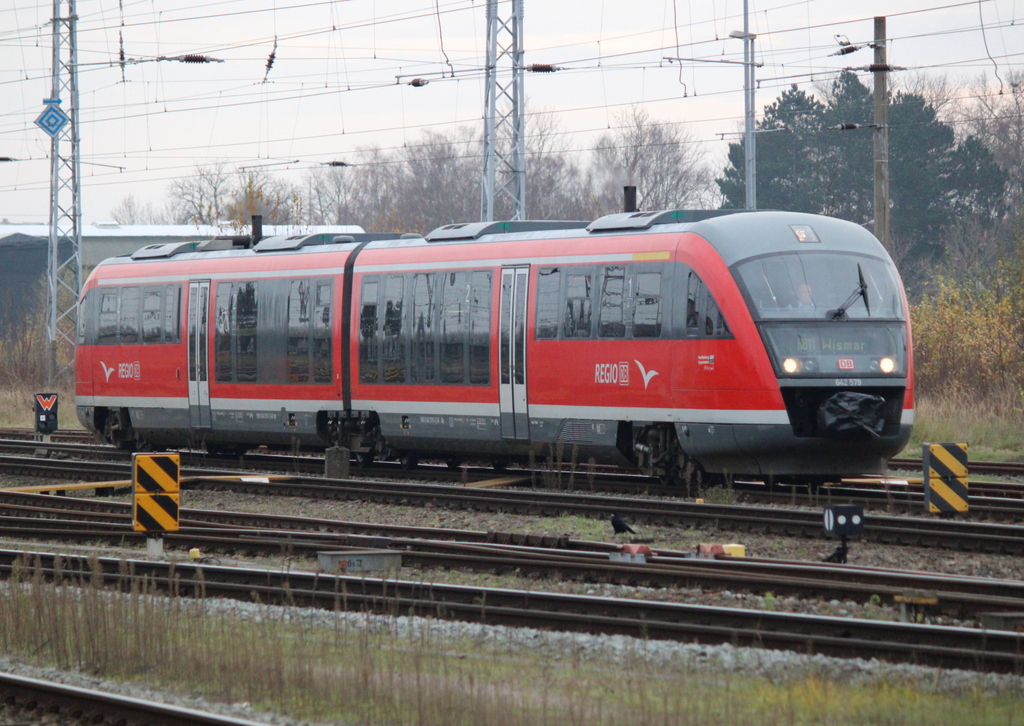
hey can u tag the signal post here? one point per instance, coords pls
(156, 481)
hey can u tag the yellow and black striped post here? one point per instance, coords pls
(945, 477)
(157, 483)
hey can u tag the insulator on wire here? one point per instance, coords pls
(418, 82)
(542, 68)
(337, 163)
(193, 58)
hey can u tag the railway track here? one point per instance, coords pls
(999, 651)
(29, 516)
(89, 706)
(886, 529)
(892, 494)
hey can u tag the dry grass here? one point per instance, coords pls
(17, 405)
(994, 429)
(361, 671)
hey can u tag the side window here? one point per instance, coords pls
(394, 343)
(647, 305)
(368, 355)
(613, 284)
(107, 332)
(245, 334)
(454, 315)
(84, 311)
(694, 287)
(549, 281)
(224, 324)
(298, 331)
(480, 328)
(578, 305)
(129, 317)
(323, 369)
(714, 322)
(172, 314)
(424, 313)
(152, 323)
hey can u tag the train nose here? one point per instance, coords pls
(850, 412)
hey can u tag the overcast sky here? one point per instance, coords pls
(340, 76)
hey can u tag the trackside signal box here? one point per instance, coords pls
(844, 519)
(156, 480)
(46, 413)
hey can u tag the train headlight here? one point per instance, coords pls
(791, 365)
(887, 365)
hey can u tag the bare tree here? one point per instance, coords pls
(439, 181)
(330, 195)
(257, 192)
(202, 197)
(131, 211)
(662, 160)
(556, 187)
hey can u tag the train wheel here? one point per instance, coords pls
(409, 461)
(364, 459)
(499, 465)
(453, 462)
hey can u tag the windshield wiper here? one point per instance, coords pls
(861, 291)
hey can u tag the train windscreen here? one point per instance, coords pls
(821, 285)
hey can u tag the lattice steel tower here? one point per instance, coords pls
(64, 273)
(504, 178)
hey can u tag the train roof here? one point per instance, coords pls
(735, 235)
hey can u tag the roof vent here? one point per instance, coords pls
(166, 249)
(645, 220)
(475, 230)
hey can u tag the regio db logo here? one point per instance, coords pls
(613, 373)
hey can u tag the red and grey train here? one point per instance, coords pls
(765, 344)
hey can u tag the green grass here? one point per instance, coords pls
(364, 670)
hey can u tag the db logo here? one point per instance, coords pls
(846, 364)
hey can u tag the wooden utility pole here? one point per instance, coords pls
(881, 136)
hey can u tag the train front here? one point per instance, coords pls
(831, 312)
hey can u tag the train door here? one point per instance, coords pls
(198, 354)
(515, 419)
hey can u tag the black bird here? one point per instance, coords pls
(619, 525)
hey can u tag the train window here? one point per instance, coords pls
(578, 306)
(172, 314)
(393, 357)
(129, 315)
(480, 328)
(694, 287)
(647, 305)
(549, 281)
(322, 361)
(424, 309)
(107, 332)
(368, 356)
(453, 326)
(224, 324)
(151, 315)
(83, 315)
(613, 284)
(505, 329)
(714, 322)
(245, 332)
(297, 352)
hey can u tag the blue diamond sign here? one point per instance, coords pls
(52, 119)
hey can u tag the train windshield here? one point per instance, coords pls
(817, 285)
